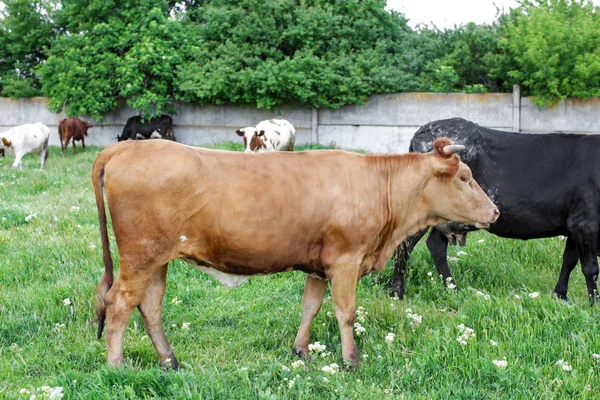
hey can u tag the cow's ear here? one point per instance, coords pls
(5, 142)
(240, 132)
(446, 160)
(261, 133)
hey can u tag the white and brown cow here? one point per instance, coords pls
(27, 138)
(350, 211)
(268, 135)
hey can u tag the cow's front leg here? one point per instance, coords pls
(343, 293)
(437, 243)
(314, 289)
(570, 258)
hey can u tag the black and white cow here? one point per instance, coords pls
(543, 185)
(156, 128)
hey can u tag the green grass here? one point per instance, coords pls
(239, 339)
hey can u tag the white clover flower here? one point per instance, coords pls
(175, 301)
(596, 356)
(30, 217)
(291, 383)
(495, 344)
(365, 356)
(430, 273)
(185, 326)
(416, 318)
(466, 334)
(500, 363)
(533, 295)
(361, 314)
(451, 286)
(331, 369)
(74, 208)
(67, 302)
(317, 347)
(284, 368)
(298, 364)
(329, 314)
(24, 391)
(244, 369)
(323, 354)
(325, 379)
(461, 253)
(359, 329)
(408, 310)
(517, 296)
(452, 258)
(480, 241)
(390, 338)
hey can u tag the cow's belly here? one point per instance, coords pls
(229, 280)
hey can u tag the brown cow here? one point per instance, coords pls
(72, 128)
(340, 216)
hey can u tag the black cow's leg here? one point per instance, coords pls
(570, 258)
(586, 238)
(401, 257)
(437, 243)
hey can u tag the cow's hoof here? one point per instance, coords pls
(170, 363)
(351, 365)
(562, 297)
(302, 353)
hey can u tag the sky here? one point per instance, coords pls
(447, 13)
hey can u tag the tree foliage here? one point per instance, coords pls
(555, 45)
(26, 33)
(86, 56)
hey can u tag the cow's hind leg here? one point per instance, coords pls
(124, 296)
(570, 258)
(314, 289)
(586, 238)
(151, 309)
(74, 148)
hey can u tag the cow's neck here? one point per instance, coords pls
(408, 179)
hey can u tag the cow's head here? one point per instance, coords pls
(254, 141)
(87, 126)
(452, 194)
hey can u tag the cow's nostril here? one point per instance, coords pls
(496, 212)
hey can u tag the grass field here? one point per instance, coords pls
(236, 343)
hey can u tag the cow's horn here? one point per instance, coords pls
(453, 148)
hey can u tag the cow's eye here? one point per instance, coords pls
(465, 178)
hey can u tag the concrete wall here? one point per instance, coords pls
(385, 124)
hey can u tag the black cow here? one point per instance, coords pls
(543, 185)
(155, 128)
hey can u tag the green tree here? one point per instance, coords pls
(26, 32)
(109, 50)
(319, 52)
(555, 45)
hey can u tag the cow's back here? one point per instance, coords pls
(272, 222)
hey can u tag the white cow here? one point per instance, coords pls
(268, 135)
(28, 138)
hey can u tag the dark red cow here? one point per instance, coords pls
(72, 128)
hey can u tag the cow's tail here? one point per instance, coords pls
(108, 277)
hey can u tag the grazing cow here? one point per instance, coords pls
(156, 128)
(268, 135)
(72, 128)
(347, 212)
(545, 185)
(28, 138)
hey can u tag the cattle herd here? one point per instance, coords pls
(350, 212)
